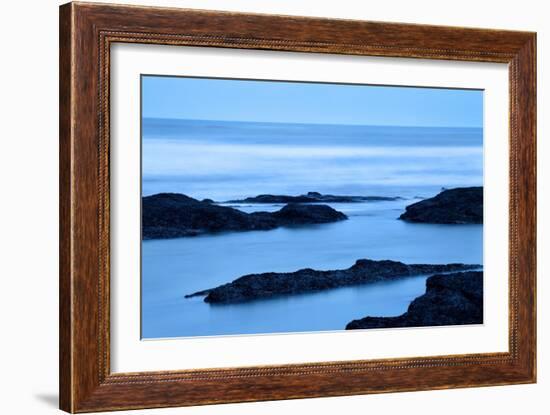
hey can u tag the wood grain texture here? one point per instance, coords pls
(65, 247)
(86, 33)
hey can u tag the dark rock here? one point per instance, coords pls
(296, 214)
(456, 206)
(364, 271)
(450, 299)
(312, 197)
(173, 215)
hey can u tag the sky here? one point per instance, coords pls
(317, 103)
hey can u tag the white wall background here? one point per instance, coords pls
(29, 189)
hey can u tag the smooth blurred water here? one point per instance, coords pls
(234, 160)
(175, 267)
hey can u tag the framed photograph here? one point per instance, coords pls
(259, 207)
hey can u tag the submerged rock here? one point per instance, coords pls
(454, 206)
(364, 271)
(172, 215)
(312, 197)
(450, 299)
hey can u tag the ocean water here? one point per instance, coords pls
(228, 160)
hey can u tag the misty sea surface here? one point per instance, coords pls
(233, 160)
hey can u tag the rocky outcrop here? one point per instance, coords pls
(173, 215)
(450, 299)
(298, 214)
(454, 206)
(312, 197)
(272, 284)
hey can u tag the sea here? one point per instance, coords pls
(228, 160)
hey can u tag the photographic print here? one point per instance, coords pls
(271, 206)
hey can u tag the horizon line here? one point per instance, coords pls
(313, 123)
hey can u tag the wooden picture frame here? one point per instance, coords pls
(86, 33)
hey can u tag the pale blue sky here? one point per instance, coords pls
(297, 102)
